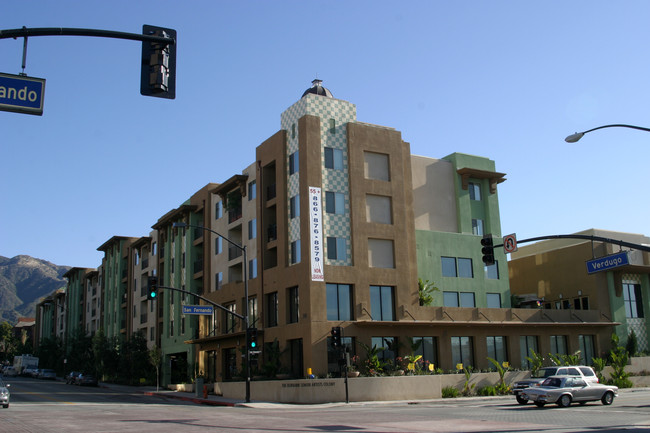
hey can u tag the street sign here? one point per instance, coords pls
(198, 309)
(22, 94)
(608, 262)
(510, 243)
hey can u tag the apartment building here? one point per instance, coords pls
(332, 225)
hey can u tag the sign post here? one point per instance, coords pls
(22, 94)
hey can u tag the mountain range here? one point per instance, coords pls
(24, 280)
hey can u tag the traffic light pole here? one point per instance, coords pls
(586, 237)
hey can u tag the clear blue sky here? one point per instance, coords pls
(508, 80)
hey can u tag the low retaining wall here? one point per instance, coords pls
(314, 391)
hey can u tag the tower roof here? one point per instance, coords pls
(318, 89)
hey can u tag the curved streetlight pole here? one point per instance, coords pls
(578, 135)
(246, 320)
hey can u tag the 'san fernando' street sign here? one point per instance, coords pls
(607, 262)
(198, 309)
(22, 94)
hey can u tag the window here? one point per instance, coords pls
(492, 271)
(461, 267)
(183, 325)
(632, 300)
(272, 309)
(474, 191)
(292, 298)
(339, 301)
(294, 206)
(218, 210)
(218, 280)
(252, 268)
(427, 347)
(493, 300)
(450, 299)
(293, 163)
(449, 267)
(586, 343)
(293, 131)
(381, 253)
(335, 202)
(465, 268)
(332, 126)
(252, 190)
(218, 245)
(229, 319)
(467, 300)
(461, 351)
(252, 311)
(389, 346)
(252, 228)
(333, 158)
(477, 226)
(379, 209)
(381, 303)
(558, 344)
(496, 348)
(336, 248)
(527, 344)
(295, 252)
(376, 166)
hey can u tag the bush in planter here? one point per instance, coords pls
(450, 392)
(487, 391)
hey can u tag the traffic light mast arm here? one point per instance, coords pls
(62, 31)
(239, 316)
(586, 237)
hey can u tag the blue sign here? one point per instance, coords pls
(198, 309)
(606, 263)
(22, 94)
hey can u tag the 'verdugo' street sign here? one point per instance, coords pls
(22, 94)
(607, 263)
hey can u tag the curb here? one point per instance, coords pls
(190, 399)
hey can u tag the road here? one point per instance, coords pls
(46, 406)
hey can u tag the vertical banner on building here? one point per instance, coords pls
(316, 233)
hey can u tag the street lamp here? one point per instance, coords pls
(243, 249)
(578, 135)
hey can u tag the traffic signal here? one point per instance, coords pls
(251, 338)
(152, 288)
(158, 71)
(337, 333)
(488, 249)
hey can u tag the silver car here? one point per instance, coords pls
(4, 394)
(564, 390)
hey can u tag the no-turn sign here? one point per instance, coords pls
(510, 243)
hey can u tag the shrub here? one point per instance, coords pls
(486, 391)
(450, 392)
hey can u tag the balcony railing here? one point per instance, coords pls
(272, 232)
(234, 214)
(233, 252)
(143, 318)
(198, 265)
(271, 192)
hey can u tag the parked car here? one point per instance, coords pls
(86, 379)
(71, 377)
(10, 371)
(4, 394)
(565, 390)
(47, 373)
(29, 371)
(583, 371)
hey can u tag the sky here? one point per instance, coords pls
(507, 80)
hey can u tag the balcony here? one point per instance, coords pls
(143, 318)
(198, 265)
(271, 192)
(234, 252)
(272, 232)
(234, 214)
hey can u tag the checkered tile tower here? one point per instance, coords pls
(318, 101)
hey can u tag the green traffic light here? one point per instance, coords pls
(152, 294)
(253, 344)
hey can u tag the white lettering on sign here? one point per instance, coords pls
(316, 233)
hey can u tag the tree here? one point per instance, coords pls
(425, 291)
(155, 358)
